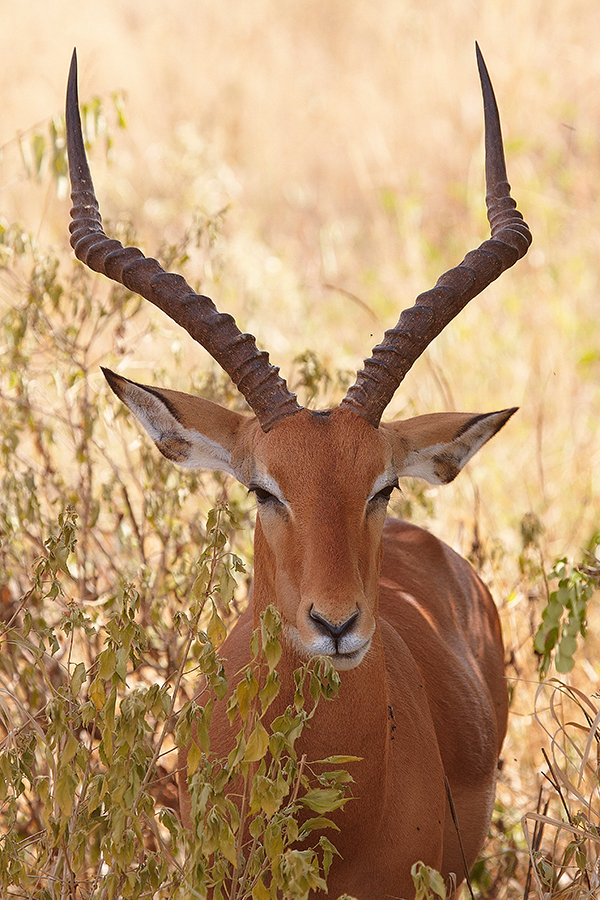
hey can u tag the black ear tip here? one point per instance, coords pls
(505, 415)
(112, 378)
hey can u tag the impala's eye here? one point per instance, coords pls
(262, 495)
(385, 493)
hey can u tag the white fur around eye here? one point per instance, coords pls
(268, 483)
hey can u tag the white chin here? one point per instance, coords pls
(344, 661)
(340, 661)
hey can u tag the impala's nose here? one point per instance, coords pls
(336, 632)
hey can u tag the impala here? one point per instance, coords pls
(405, 620)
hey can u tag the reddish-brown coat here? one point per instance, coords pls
(429, 697)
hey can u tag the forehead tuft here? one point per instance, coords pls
(335, 445)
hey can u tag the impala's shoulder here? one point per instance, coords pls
(235, 652)
(401, 533)
(411, 553)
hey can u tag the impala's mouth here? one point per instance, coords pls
(344, 661)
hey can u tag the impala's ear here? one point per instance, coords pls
(436, 447)
(188, 430)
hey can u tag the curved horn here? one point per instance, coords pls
(259, 382)
(402, 345)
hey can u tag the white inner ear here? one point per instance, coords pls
(441, 462)
(425, 463)
(184, 446)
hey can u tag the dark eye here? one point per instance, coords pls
(385, 493)
(262, 495)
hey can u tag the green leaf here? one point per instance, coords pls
(255, 644)
(338, 760)
(568, 645)
(245, 693)
(329, 851)
(107, 661)
(267, 794)
(216, 630)
(227, 844)
(272, 652)
(273, 841)
(227, 586)
(121, 660)
(237, 754)
(563, 663)
(319, 822)
(78, 678)
(69, 750)
(428, 882)
(269, 691)
(201, 583)
(202, 728)
(260, 892)
(97, 693)
(322, 800)
(257, 826)
(64, 790)
(257, 744)
(194, 757)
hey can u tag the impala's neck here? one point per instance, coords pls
(358, 722)
(264, 592)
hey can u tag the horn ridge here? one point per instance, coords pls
(259, 382)
(418, 325)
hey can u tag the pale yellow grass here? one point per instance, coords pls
(346, 138)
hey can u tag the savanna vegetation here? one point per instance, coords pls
(312, 167)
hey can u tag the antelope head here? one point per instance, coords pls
(321, 479)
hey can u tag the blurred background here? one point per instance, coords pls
(313, 166)
(345, 141)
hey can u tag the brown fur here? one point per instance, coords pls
(427, 700)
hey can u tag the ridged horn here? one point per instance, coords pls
(260, 383)
(510, 239)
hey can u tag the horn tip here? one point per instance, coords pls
(72, 82)
(481, 66)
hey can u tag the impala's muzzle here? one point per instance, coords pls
(335, 632)
(346, 642)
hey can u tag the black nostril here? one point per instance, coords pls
(334, 631)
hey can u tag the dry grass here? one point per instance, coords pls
(345, 138)
(568, 822)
